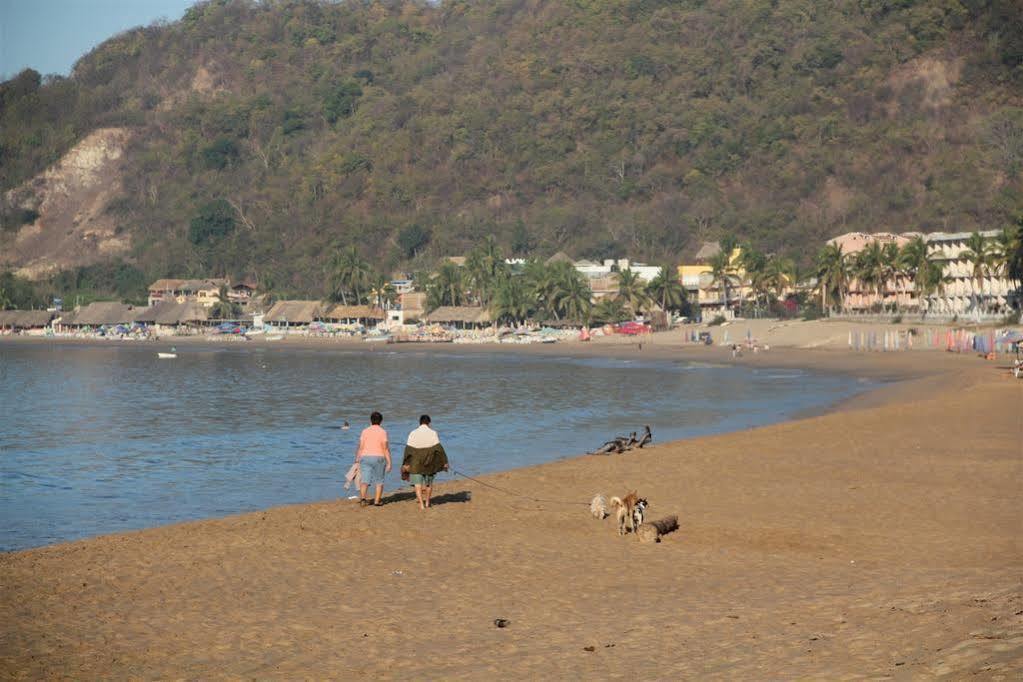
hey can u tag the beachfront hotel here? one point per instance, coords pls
(961, 294)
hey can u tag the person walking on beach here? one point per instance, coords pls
(424, 457)
(374, 458)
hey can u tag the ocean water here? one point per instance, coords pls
(95, 440)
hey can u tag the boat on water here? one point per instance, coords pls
(273, 337)
(166, 356)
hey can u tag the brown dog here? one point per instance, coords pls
(623, 510)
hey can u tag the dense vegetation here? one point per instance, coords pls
(273, 136)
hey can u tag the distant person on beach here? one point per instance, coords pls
(424, 457)
(374, 458)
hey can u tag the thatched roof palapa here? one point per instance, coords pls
(100, 313)
(25, 319)
(170, 313)
(294, 312)
(559, 257)
(449, 314)
(353, 312)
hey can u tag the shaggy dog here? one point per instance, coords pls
(598, 507)
(624, 508)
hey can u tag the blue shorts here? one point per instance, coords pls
(371, 469)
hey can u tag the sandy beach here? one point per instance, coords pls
(881, 539)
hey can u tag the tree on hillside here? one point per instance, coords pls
(412, 240)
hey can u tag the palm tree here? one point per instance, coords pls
(916, 262)
(981, 257)
(483, 266)
(224, 308)
(575, 300)
(1013, 250)
(721, 274)
(511, 301)
(446, 287)
(892, 269)
(832, 271)
(777, 275)
(610, 310)
(632, 291)
(383, 292)
(350, 275)
(666, 288)
(753, 263)
(930, 278)
(546, 284)
(871, 268)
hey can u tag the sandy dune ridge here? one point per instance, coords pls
(879, 540)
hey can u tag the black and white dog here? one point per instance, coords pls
(638, 512)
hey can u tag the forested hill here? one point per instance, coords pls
(262, 136)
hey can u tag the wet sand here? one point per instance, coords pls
(882, 539)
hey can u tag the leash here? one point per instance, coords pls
(513, 493)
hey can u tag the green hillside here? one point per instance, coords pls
(269, 135)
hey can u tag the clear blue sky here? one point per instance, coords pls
(50, 35)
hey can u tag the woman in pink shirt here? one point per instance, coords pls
(374, 458)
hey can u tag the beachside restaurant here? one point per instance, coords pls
(24, 320)
(288, 314)
(367, 316)
(459, 317)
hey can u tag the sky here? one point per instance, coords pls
(51, 35)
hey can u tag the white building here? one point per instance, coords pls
(964, 294)
(592, 270)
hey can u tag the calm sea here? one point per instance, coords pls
(95, 440)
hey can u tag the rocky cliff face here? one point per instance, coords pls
(73, 199)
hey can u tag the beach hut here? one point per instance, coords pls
(293, 313)
(460, 317)
(16, 320)
(368, 316)
(170, 315)
(100, 314)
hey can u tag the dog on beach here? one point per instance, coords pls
(598, 507)
(625, 511)
(638, 512)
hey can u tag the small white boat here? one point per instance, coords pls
(166, 356)
(274, 337)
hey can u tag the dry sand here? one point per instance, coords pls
(880, 540)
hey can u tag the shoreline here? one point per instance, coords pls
(866, 514)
